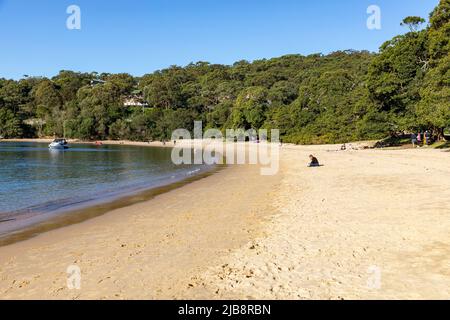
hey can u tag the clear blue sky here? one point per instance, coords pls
(140, 36)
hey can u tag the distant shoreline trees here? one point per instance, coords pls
(334, 98)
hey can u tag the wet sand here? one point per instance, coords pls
(372, 224)
(60, 219)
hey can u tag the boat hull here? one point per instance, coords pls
(57, 146)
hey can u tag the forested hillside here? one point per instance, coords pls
(333, 98)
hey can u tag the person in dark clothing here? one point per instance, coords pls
(413, 140)
(314, 162)
(427, 137)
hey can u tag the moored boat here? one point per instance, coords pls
(59, 144)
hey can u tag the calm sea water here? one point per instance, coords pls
(35, 180)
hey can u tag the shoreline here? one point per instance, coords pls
(356, 145)
(78, 214)
(168, 144)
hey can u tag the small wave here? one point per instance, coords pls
(192, 172)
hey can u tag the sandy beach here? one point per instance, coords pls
(369, 224)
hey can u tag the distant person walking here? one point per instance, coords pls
(419, 138)
(413, 140)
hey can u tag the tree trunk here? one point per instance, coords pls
(439, 134)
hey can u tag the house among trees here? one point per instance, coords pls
(135, 101)
(97, 81)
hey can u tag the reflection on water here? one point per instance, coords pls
(35, 180)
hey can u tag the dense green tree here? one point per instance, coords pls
(250, 108)
(433, 110)
(164, 88)
(413, 22)
(47, 98)
(69, 82)
(9, 124)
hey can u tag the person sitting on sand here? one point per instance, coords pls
(314, 162)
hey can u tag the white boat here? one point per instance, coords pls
(59, 144)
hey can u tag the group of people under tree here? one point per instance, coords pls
(421, 139)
